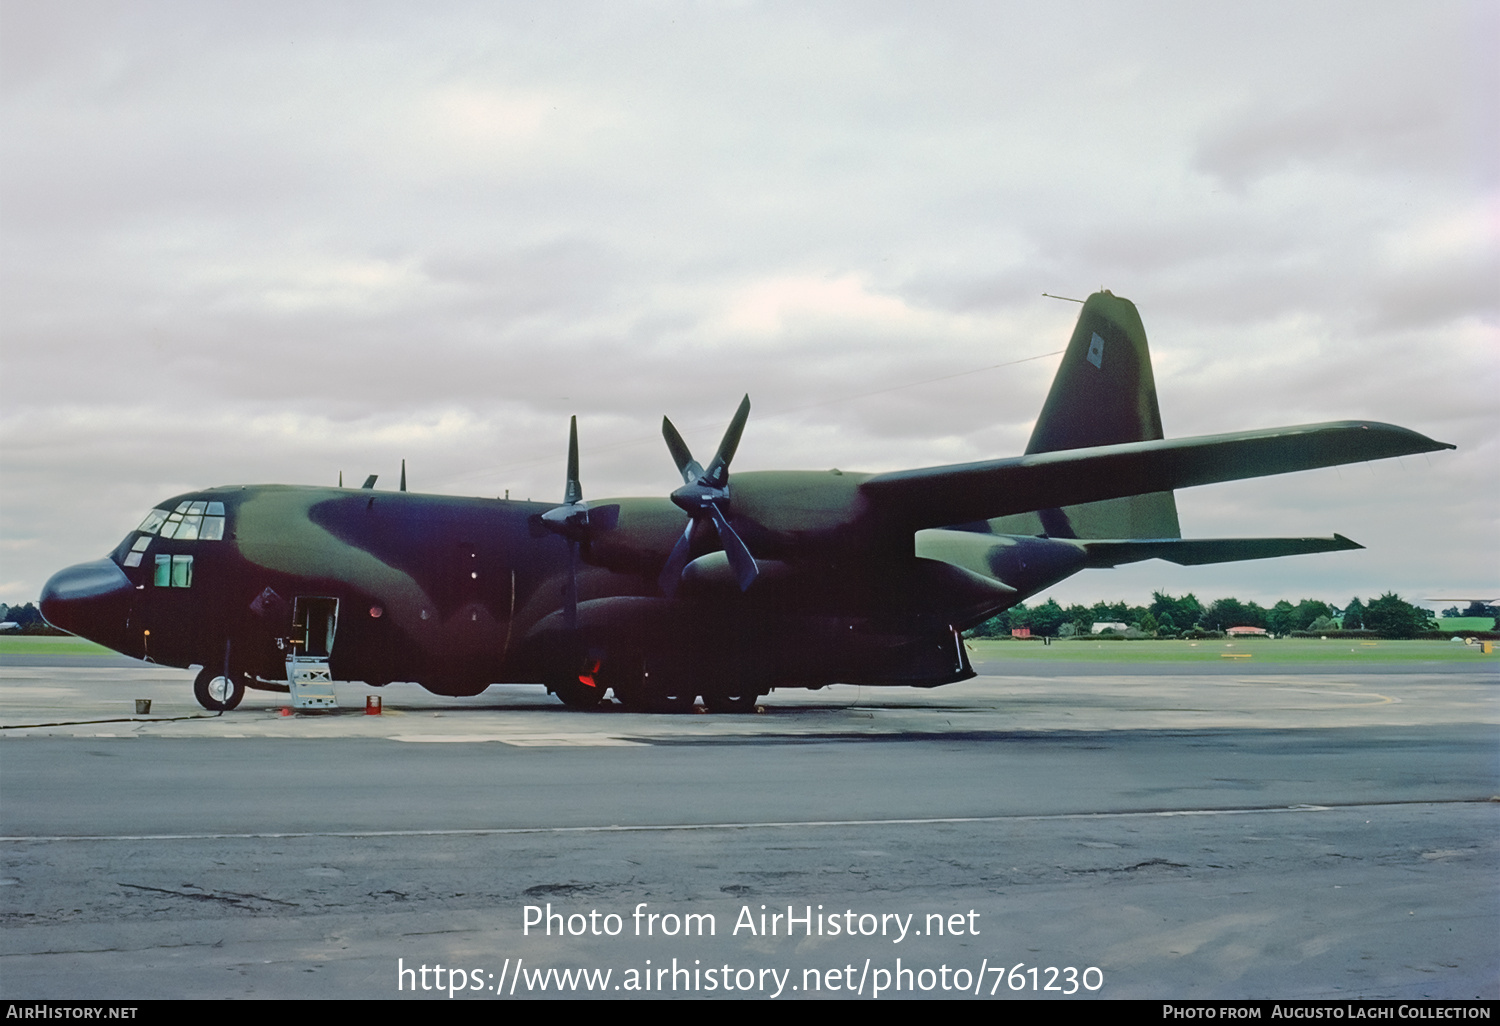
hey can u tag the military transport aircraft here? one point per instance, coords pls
(775, 579)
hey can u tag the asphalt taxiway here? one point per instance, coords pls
(1230, 832)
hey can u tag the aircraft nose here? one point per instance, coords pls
(90, 600)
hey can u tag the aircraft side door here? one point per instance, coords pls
(315, 620)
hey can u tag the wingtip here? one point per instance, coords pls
(1420, 442)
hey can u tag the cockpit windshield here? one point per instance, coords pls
(190, 521)
(203, 521)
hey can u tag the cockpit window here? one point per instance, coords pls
(133, 557)
(173, 571)
(189, 521)
(153, 521)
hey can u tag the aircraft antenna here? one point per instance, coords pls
(1070, 299)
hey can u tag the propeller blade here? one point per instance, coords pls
(686, 465)
(718, 471)
(571, 520)
(570, 589)
(671, 574)
(403, 475)
(573, 490)
(745, 570)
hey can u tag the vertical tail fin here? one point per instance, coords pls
(1104, 391)
(1104, 394)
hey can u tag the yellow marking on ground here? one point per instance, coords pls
(1379, 699)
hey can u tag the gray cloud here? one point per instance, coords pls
(276, 242)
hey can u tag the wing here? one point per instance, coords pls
(939, 496)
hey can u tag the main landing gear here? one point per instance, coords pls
(579, 694)
(742, 701)
(656, 685)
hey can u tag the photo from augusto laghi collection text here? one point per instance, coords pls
(785, 950)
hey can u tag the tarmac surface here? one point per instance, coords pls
(1166, 832)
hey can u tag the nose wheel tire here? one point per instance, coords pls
(216, 692)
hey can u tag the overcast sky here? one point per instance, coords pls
(272, 242)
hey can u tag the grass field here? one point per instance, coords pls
(1466, 623)
(1262, 650)
(35, 644)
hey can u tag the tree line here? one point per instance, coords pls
(27, 620)
(1388, 616)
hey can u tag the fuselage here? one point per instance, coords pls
(457, 593)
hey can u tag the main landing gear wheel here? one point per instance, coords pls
(651, 695)
(575, 694)
(739, 702)
(216, 692)
(662, 688)
(671, 699)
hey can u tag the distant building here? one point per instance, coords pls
(1246, 632)
(1100, 628)
(1020, 632)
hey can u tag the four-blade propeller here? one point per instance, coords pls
(576, 523)
(704, 496)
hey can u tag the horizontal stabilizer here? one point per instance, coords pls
(939, 496)
(1197, 551)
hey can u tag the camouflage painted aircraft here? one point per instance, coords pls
(782, 579)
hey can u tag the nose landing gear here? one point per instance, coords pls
(216, 692)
